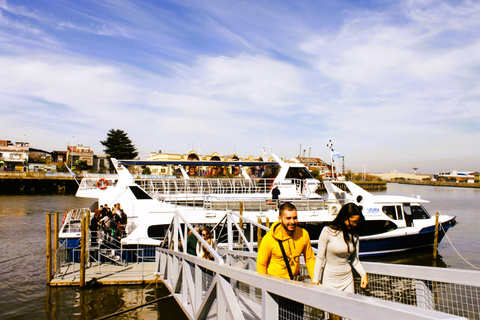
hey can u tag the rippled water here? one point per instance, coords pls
(23, 289)
(25, 294)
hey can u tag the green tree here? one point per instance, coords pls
(146, 171)
(118, 145)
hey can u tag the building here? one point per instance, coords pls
(14, 157)
(456, 176)
(79, 153)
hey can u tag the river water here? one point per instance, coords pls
(24, 293)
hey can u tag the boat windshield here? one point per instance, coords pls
(415, 211)
(298, 173)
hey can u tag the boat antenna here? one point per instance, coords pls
(266, 138)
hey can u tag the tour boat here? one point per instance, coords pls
(203, 195)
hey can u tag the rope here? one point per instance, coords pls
(25, 255)
(133, 308)
(475, 267)
(137, 296)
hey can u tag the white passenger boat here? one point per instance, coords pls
(393, 223)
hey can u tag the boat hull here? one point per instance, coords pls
(387, 245)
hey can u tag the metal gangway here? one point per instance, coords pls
(230, 288)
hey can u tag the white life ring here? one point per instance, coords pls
(102, 184)
(333, 209)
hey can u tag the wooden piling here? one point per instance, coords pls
(49, 248)
(259, 233)
(267, 222)
(435, 239)
(55, 243)
(82, 255)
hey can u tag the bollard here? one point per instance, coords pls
(267, 222)
(49, 248)
(435, 239)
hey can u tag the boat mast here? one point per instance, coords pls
(330, 146)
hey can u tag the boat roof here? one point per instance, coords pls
(195, 163)
(397, 199)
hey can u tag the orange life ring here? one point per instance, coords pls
(102, 185)
(64, 218)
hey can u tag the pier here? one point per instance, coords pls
(230, 287)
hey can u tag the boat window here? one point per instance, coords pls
(157, 231)
(399, 213)
(139, 193)
(298, 173)
(390, 212)
(408, 214)
(372, 227)
(419, 212)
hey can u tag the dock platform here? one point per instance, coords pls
(106, 274)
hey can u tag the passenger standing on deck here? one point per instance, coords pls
(295, 242)
(275, 194)
(338, 252)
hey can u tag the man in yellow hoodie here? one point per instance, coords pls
(295, 241)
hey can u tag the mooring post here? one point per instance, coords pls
(259, 233)
(55, 243)
(49, 248)
(267, 222)
(435, 239)
(87, 237)
(82, 255)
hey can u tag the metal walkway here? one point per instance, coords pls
(230, 287)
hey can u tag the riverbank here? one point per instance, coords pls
(32, 183)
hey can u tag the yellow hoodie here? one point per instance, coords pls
(270, 259)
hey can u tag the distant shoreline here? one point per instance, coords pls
(439, 183)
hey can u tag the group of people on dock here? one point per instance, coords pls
(338, 247)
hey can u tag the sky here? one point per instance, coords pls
(393, 84)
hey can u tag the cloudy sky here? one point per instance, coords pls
(393, 84)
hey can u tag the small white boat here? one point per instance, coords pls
(393, 223)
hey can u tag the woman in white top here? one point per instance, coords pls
(338, 251)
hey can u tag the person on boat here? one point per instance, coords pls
(94, 226)
(280, 250)
(275, 194)
(202, 251)
(338, 248)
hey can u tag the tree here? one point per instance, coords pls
(118, 145)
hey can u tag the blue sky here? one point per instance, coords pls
(394, 84)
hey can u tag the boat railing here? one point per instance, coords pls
(73, 220)
(205, 186)
(92, 183)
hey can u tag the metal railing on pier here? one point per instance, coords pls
(230, 287)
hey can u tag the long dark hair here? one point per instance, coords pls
(347, 211)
